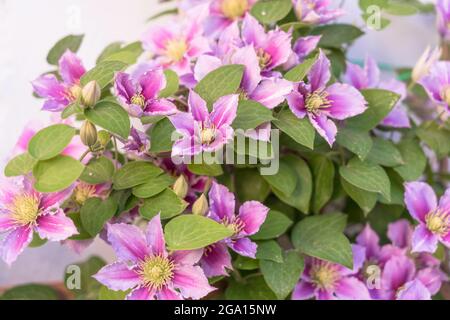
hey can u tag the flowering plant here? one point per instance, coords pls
(234, 152)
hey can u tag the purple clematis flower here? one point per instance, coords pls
(330, 281)
(413, 290)
(252, 214)
(202, 131)
(24, 211)
(443, 18)
(369, 77)
(140, 95)
(319, 102)
(437, 84)
(148, 269)
(433, 217)
(302, 47)
(60, 94)
(138, 143)
(316, 11)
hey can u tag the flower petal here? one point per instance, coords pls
(400, 233)
(271, 92)
(142, 293)
(253, 214)
(296, 103)
(216, 260)
(168, 294)
(192, 282)
(423, 240)
(370, 240)
(55, 227)
(70, 68)
(152, 82)
(14, 243)
(432, 278)
(247, 57)
(221, 201)
(117, 276)
(47, 86)
(303, 291)
(124, 87)
(397, 272)
(197, 107)
(319, 75)
(351, 289)
(187, 257)
(414, 290)
(325, 127)
(128, 242)
(243, 246)
(420, 199)
(6, 222)
(345, 100)
(160, 107)
(155, 236)
(224, 110)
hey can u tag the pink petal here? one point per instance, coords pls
(142, 293)
(351, 289)
(252, 32)
(128, 242)
(50, 199)
(370, 240)
(216, 260)
(247, 57)
(420, 199)
(183, 122)
(424, 240)
(400, 233)
(55, 227)
(414, 290)
(224, 110)
(155, 39)
(325, 127)
(155, 236)
(397, 271)
(198, 107)
(70, 68)
(187, 257)
(14, 243)
(221, 201)
(192, 282)
(272, 92)
(303, 291)
(152, 82)
(319, 75)
(296, 103)
(372, 71)
(244, 246)
(168, 294)
(160, 107)
(432, 278)
(356, 76)
(47, 86)
(117, 276)
(444, 202)
(6, 222)
(253, 214)
(205, 64)
(346, 101)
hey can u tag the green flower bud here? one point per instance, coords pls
(200, 206)
(88, 134)
(180, 187)
(103, 137)
(91, 94)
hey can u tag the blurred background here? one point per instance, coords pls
(28, 29)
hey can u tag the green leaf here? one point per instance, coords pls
(71, 109)
(172, 84)
(357, 141)
(244, 263)
(397, 189)
(285, 180)
(323, 172)
(128, 54)
(108, 294)
(220, 82)
(135, 173)
(50, 141)
(98, 170)
(167, 203)
(30, 292)
(254, 288)
(269, 250)
(400, 8)
(20, 165)
(380, 103)
(321, 237)
(384, 153)
(190, 232)
(154, 186)
(210, 170)
(367, 176)
(270, 11)
(82, 233)
(108, 50)
(95, 213)
(298, 129)
(299, 72)
(103, 73)
(414, 159)
(56, 174)
(364, 199)
(110, 116)
(282, 277)
(37, 241)
(336, 35)
(274, 226)
(301, 196)
(70, 42)
(436, 137)
(250, 185)
(89, 287)
(251, 114)
(160, 136)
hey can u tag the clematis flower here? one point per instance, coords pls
(316, 11)
(302, 47)
(443, 18)
(369, 77)
(147, 268)
(320, 102)
(433, 217)
(60, 94)
(139, 95)
(425, 62)
(223, 13)
(138, 143)
(84, 191)
(397, 272)
(330, 281)
(413, 290)
(176, 45)
(24, 211)
(437, 83)
(202, 131)
(252, 214)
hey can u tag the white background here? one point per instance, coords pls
(28, 28)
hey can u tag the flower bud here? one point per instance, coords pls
(91, 94)
(200, 206)
(103, 137)
(88, 134)
(180, 187)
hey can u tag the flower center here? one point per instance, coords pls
(138, 99)
(156, 271)
(175, 49)
(438, 222)
(316, 101)
(233, 9)
(264, 58)
(208, 134)
(236, 225)
(324, 275)
(83, 192)
(25, 209)
(74, 92)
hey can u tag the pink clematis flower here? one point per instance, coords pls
(24, 211)
(139, 94)
(177, 45)
(138, 143)
(302, 47)
(202, 131)
(443, 18)
(60, 94)
(252, 214)
(369, 77)
(437, 84)
(330, 281)
(319, 102)
(316, 11)
(433, 217)
(148, 269)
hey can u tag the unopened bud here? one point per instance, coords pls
(104, 137)
(91, 94)
(181, 187)
(200, 206)
(88, 134)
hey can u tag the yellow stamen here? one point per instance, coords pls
(83, 192)
(208, 135)
(138, 99)
(264, 58)
(233, 9)
(324, 275)
(175, 49)
(438, 222)
(25, 209)
(316, 101)
(156, 271)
